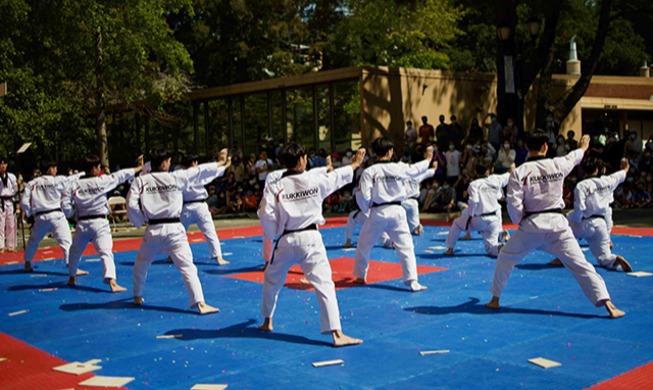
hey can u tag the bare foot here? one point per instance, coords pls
(28, 267)
(415, 286)
(266, 326)
(500, 247)
(304, 281)
(466, 237)
(115, 287)
(612, 309)
(81, 272)
(13, 250)
(452, 216)
(360, 281)
(419, 230)
(504, 236)
(206, 308)
(347, 244)
(138, 301)
(169, 259)
(556, 263)
(221, 261)
(72, 281)
(493, 304)
(342, 340)
(449, 252)
(611, 244)
(625, 265)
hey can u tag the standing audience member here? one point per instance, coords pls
(9, 188)
(426, 132)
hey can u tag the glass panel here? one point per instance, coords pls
(324, 133)
(299, 124)
(346, 119)
(276, 111)
(256, 122)
(218, 131)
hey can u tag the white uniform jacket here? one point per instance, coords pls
(536, 186)
(44, 193)
(485, 193)
(87, 196)
(383, 182)
(592, 197)
(295, 201)
(158, 195)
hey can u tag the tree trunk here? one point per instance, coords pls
(566, 103)
(101, 119)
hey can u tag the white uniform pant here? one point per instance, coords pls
(267, 249)
(412, 213)
(198, 213)
(595, 232)
(489, 226)
(357, 218)
(392, 220)
(7, 225)
(307, 249)
(169, 239)
(98, 232)
(55, 223)
(561, 244)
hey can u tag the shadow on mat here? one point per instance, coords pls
(473, 307)
(243, 330)
(224, 271)
(155, 262)
(456, 255)
(35, 272)
(537, 266)
(57, 285)
(121, 304)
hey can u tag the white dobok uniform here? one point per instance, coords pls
(411, 203)
(381, 190)
(535, 202)
(291, 209)
(196, 211)
(42, 200)
(591, 213)
(483, 214)
(358, 218)
(156, 199)
(8, 190)
(86, 198)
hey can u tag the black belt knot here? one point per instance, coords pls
(46, 212)
(94, 216)
(286, 232)
(554, 211)
(163, 220)
(593, 216)
(385, 204)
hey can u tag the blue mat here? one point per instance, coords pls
(544, 314)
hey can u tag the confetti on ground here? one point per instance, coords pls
(436, 352)
(428, 251)
(16, 313)
(544, 363)
(107, 381)
(92, 260)
(328, 363)
(13, 262)
(47, 289)
(442, 233)
(38, 275)
(438, 247)
(639, 274)
(585, 249)
(227, 254)
(170, 336)
(76, 368)
(348, 249)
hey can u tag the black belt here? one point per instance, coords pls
(195, 201)
(593, 216)
(386, 204)
(46, 212)
(87, 217)
(163, 220)
(415, 197)
(3, 198)
(469, 219)
(286, 232)
(555, 211)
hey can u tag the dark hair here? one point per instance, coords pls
(189, 159)
(47, 165)
(590, 165)
(157, 157)
(291, 153)
(88, 162)
(381, 146)
(481, 167)
(536, 139)
(4, 159)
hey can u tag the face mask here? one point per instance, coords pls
(633, 136)
(348, 154)
(445, 186)
(469, 147)
(507, 146)
(435, 148)
(451, 147)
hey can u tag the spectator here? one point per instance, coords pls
(410, 138)
(561, 146)
(347, 158)
(453, 162)
(571, 142)
(494, 131)
(475, 133)
(510, 132)
(212, 201)
(441, 171)
(250, 201)
(633, 144)
(426, 131)
(641, 198)
(263, 166)
(442, 134)
(238, 169)
(506, 157)
(456, 133)
(443, 200)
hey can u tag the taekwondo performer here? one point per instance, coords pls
(86, 199)
(290, 211)
(42, 201)
(535, 203)
(358, 218)
(8, 190)
(591, 217)
(381, 190)
(483, 213)
(155, 199)
(411, 203)
(196, 211)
